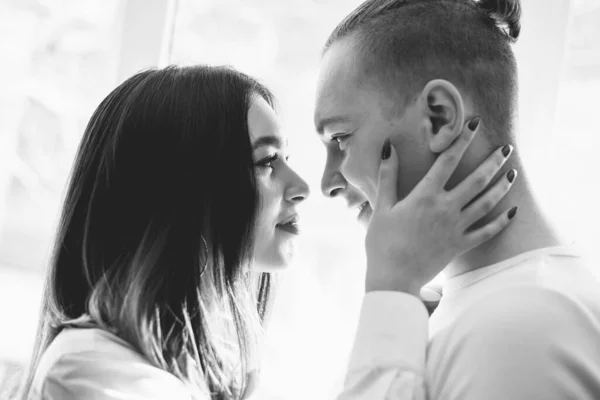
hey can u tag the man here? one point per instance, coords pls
(520, 316)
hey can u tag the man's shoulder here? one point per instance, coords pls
(552, 287)
(515, 341)
(531, 313)
(522, 302)
(522, 328)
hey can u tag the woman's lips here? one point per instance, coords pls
(291, 228)
(289, 224)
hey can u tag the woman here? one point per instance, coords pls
(179, 206)
(159, 224)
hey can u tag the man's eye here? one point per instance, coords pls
(342, 141)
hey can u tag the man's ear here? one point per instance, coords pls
(443, 113)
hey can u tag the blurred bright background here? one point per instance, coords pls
(61, 57)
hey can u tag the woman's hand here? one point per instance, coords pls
(409, 242)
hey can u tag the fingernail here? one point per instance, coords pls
(506, 150)
(511, 175)
(512, 212)
(474, 123)
(386, 151)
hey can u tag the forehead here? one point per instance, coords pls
(262, 120)
(339, 89)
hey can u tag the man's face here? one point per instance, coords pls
(353, 119)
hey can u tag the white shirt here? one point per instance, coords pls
(93, 364)
(525, 328)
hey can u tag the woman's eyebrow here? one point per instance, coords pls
(273, 141)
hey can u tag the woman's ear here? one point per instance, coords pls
(443, 113)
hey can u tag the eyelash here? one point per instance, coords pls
(267, 162)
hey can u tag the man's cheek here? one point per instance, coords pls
(362, 174)
(349, 171)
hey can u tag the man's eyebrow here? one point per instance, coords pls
(267, 141)
(322, 123)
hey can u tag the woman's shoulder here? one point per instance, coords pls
(94, 363)
(90, 340)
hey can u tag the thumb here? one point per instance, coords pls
(387, 186)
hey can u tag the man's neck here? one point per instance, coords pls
(530, 230)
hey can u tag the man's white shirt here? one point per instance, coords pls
(525, 328)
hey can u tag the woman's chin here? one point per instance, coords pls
(273, 264)
(278, 255)
(275, 261)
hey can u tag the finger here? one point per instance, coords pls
(448, 160)
(387, 187)
(479, 179)
(431, 293)
(490, 230)
(435, 286)
(486, 203)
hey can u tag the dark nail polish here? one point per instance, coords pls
(512, 212)
(511, 175)
(506, 150)
(474, 123)
(386, 151)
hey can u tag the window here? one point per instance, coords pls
(59, 61)
(572, 179)
(557, 99)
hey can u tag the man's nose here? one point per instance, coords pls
(332, 183)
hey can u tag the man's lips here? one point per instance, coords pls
(364, 210)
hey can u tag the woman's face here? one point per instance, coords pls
(280, 190)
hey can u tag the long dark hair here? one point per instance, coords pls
(164, 166)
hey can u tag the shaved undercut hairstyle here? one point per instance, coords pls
(403, 44)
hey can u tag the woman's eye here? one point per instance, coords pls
(342, 141)
(267, 162)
